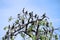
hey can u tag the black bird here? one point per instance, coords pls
(12, 27)
(7, 32)
(22, 21)
(35, 15)
(18, 16)
(26, 12)
(23, 10)
(47, 24)
(5, 36)
(31, 14)
(9, 27)
(44, 15)
(11, 35)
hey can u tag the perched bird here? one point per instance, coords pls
(7, 32)
(11, 35)
(19, 16)
(23, 10)
(6, 37)
(35, 15)
(44, 15)
(22, 21)
(26, 12)
(9, 27)
(31, 14)
(12, 27)
(47, 24)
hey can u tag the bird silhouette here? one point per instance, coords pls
(35, 15)
(47, 24)
(31, 14)
(12, 27)
(44, 15)
(22, 21)
(23, 10)
(19, 16)
(26, 12)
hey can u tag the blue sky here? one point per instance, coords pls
(13, 7)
